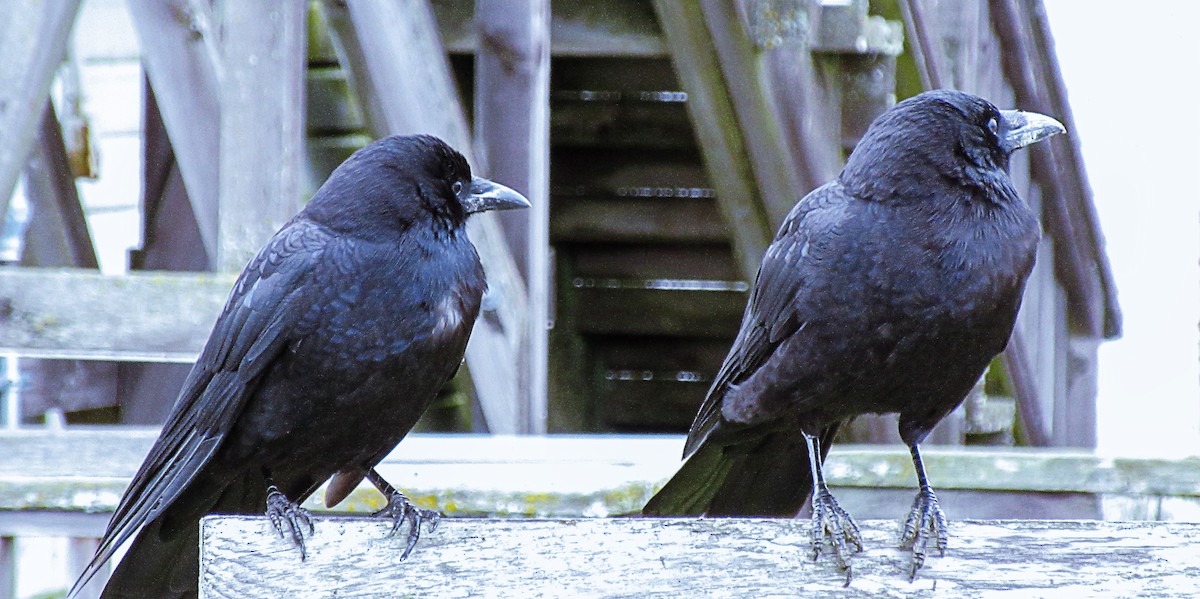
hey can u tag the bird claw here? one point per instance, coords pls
(925, 521)
(401, 510)
(833, 526)
(283, 511)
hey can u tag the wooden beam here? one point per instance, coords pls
(763, 117)
(57, 233)
(714, 120)
(262, 124)
(73, 314)
(85, 470)
(512, 132)
(33, 42)
(242, 556)
(402, 74)
(602, 28)
(177, 41)
(1031, 67)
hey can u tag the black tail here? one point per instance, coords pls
(164, 559)
(769, 477)
(157, 565)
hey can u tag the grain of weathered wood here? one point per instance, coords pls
(79, 314)
(262, 125)
(580, 28)
(33, 41)
(243, 556)
(177, 41)
(714, 117)
(77, 471)
(512, 132)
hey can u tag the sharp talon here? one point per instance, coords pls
(401, 510)
(832, 526)
(282, 511)
(925, 522)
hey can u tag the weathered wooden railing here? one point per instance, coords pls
(625, 557)
(65, 484)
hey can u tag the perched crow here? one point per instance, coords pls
(333, 342)
(887, 290)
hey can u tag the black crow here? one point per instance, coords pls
(889, 289)
(335, 339)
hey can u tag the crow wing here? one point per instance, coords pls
(258, 321)
(778, 306)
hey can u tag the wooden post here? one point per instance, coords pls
(8, 567)
(57, 234)
(177, 40)
(400, 70)
(242, 556)
(512, 131)
(33, 42)
(80, 314)
(759, 115)
(262, 124)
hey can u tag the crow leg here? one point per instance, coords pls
(925, 521)
(831, 525)
(400, 509)
(285, 513)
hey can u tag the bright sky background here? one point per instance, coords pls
(1133, 79)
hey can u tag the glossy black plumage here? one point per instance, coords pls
(887, 290)
(335, 339)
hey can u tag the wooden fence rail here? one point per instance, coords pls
(66, 484)
(353, 557)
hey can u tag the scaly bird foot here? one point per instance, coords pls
(283, 511)
(400, 509)
(832, 526)
(926, 521)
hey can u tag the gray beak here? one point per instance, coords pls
(1020, 129)
(484, 195)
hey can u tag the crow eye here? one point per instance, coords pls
(457, 187)
(993, 125)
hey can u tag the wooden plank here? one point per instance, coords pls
(82, 472)
(262, 125)
(57, 233)
(634, 173)
(613, 73)
(156, 317)
(621, 123)
(330, 106)
(649, 406)
(636, 353)
(171, 237)
(1029, 64)
(646, 261)
(714, 119)
(611, 310)
(33, 41)
(177, 43)
(623, 28)
(637, 220)
(243, 557)
(399, 68)
(512, 132)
